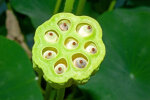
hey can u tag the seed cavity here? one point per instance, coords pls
(60, 66)
(90, 47)
(49, 52)
(64, 24)
(79, 60)
(71, 43)
(84, 30)
(51, 36)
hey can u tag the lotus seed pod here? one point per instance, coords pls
(68, 49)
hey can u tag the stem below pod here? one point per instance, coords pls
(47, 91)
(60, 94)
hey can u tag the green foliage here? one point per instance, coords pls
(138, 2)
(125, 72)
(37, 10)
(17, 77)
(3, 30)
(2, 25)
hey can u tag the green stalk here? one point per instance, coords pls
(52, 95)
(39, 79)
(57, 6)
(68, 5)
(60, 94)
(112, 5)
(39, 82)
(9, 6)
(47, 91)
(80, 7)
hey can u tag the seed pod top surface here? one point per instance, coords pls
(68, 49)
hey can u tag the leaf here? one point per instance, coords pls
(38, 10)
(138, 2)
(125, 72)
(100, 6)
(120, 3)
(17, 77)
(3, 30)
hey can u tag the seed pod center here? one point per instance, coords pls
(71, 43)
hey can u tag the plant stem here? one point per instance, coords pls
(8, 6)
(80, 7)
(39, 82)
(57, 6)
(52, 95)
(47, 91)
(60, 94)
(112, 5)
(39, 79)
(68, 5)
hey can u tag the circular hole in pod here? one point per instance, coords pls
(71, 43)
(49, 53)
(64, 24)
(90, 47)
(60, 66)
(79, 60)
(51, 36)
(84, 29)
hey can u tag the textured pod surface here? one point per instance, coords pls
(62, 70)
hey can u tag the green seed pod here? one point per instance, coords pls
(68, 49)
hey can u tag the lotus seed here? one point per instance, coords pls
(60, 68)
(84, 30)
(71, 44)
(49, 54)
(80, 62)
(64, 25)
(51, 36)
(91, 49)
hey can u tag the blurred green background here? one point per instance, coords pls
(125, 72)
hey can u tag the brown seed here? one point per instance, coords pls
(59, 68)
(93, 49)
(49, 54)
(81, 61)
(89, 27)
(65, 24)
(73, 43)
(51, 34)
